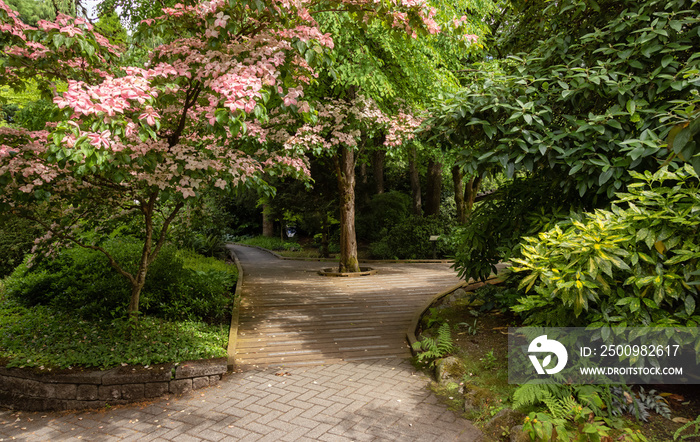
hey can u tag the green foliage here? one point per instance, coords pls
(489, 360)
(694, 433)
(496, 297)
(16, 240)
(626, 401)
(31, 11)
(271, 243)
(207, 245)
(636, 264)
(590, 91)
(566, 421)
(111, 27)
(471, 329)
(384, 211)
(34, 115)
(435, 348)
(410, 239)
(180, 285)
(41, 336)
(571, 413)
(527, 395)
(494, 229)
(7, 113)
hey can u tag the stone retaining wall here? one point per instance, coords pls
(33, 390)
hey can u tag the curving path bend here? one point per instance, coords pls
(356, 395)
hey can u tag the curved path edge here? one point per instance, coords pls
(235, 313)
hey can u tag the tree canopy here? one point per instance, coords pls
(585, 90)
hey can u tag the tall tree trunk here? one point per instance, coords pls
(470, 192)
(268, 224)
(415, 183)
(378, 165)
(345, 171)
(457, 181)
(434, 190)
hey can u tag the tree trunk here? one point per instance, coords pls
(460, 193)
(432, 200)
(415, 182)
(268, 224)
(148, 253)
(345, 171)
(378, 165)
(470, 192)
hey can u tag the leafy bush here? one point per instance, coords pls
(271, 243)
(635, 264)
(179, 285)
(42, 336)
(410, 239)
(16, 240)
(34, 115)
(7, 112)
(500, 297)
(383, 211)
(494, 229)
(207, 245)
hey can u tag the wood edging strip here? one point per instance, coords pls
(235, 313)
(466, 286)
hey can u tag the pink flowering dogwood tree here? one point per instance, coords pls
(141, 141)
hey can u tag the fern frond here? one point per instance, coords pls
(569, 405)
(438, 347)
(532, 394)
(444, 340)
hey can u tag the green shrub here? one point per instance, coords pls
(635, 264)
(35, 115)
(272, 243)
(16, 240)
(383, 211)
(410, 239)
(81, 281)
(494, 229)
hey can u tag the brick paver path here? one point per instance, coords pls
(291, 316)
(356, 399)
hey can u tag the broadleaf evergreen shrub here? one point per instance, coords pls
(636, 264)
(519, 208)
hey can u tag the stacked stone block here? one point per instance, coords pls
(33, 390)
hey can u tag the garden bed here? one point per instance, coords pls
(474, 381)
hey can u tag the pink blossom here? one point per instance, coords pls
(101, 139)
(72, 31)
(149, 115)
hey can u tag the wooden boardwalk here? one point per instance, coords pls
(290, 315)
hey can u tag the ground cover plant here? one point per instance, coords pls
(47, 338)
(72, 310)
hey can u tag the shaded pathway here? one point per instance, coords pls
(290, 315)
(364, 398)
